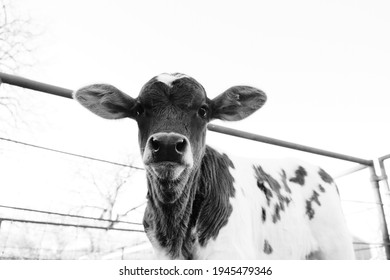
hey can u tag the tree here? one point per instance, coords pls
(15, 39)
(16, 34)
(105, 207)
(101, 199)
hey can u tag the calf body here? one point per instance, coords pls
(204, 204)
(281, 210)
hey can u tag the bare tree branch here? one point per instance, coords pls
(110, 194)
(16, 34)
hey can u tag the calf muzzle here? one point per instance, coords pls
(168, 153)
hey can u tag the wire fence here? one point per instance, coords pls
(66, 224)
(69, 154)
(67, 235)
(48, 240)
(74, 216)
(52, 235)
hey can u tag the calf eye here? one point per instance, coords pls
(202, 112)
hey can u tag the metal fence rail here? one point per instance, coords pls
(285, 144)
(2, 219)
(34, 85)
(69, 215)
(63, 92)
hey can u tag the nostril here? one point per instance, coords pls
(155, 145)
(180, 146)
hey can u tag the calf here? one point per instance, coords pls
(203, 204)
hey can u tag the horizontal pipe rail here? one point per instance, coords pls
(285, 144)
(384, 157)
(34, 85)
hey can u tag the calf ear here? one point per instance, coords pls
(106, 101)
(237, 103)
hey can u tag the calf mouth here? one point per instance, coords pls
(167, 171)
(169, 180)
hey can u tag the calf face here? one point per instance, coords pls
(172, 111)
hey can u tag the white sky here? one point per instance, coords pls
(325, 66)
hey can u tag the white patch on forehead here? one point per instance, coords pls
(168, 79)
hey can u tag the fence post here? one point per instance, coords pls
(383, 172)
(381, 212)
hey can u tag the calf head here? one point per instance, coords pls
(172, 112)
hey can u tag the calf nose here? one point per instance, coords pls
(168, 147)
